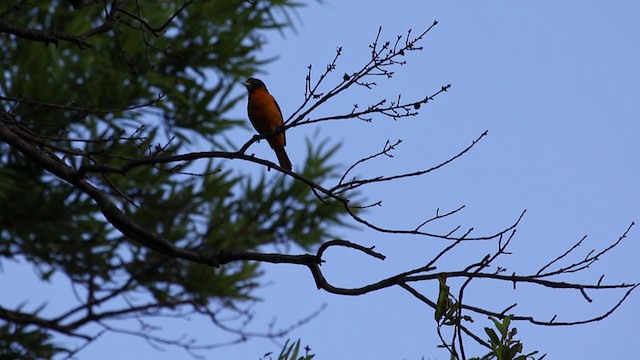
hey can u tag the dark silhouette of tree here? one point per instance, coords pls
(103, 104)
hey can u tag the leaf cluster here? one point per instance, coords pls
(108, 82)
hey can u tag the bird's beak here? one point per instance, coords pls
(245, 83)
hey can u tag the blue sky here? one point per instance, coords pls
(558, 87)
(557, 84)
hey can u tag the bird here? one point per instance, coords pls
(266, 117)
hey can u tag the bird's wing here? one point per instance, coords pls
(284, 138)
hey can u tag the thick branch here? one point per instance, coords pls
(120, 221)
(30, 319)
(52, 36)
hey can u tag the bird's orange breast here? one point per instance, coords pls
(264, 112)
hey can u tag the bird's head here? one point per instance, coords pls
(254, 84)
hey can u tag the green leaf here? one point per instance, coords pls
(493, 337)
(443, 297)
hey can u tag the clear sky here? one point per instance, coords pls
(556, 83)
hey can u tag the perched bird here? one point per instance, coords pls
(266, 117)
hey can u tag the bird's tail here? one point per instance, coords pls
(283, 159)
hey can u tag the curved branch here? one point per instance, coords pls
(45, 36)
(123, 223)
(531, 319)
(30, 319)
(357, 183)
